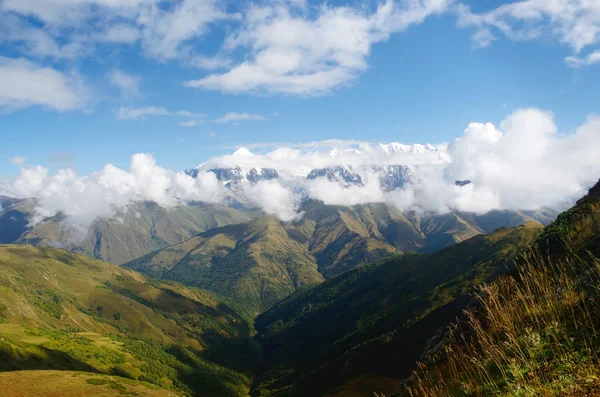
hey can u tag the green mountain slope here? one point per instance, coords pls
(376, 320)
(263, 261)
(256, 263)
(61, 311)
(143, 228)
(534, 332)
(71, 384)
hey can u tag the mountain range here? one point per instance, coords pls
(142, 228)
(264, 260)
(341, 302)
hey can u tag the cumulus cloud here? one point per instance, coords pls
(291, 47)
(236, 117)
(84, 198)
(522, 164)
(24, 83)
(274, 199)
(273, 46)
(575, 23)
(335, 193)
(292, 51)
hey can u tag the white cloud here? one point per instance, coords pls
(575, 23)
(190, 123)
(590, 59)
(210, 63)
(483, 38)
(101, 194)
(142, 113)
(128, 85)
(164, 32)
(123, 34)
(525, 164)
(18, 160)
(212, 134)
(297, 160)
(289, 47)
(275, 199)
(522, 164)
(292, 52)
(334, 193)
(38, 42)
(236, 117)
(126, 113)
(73, 13)
(187, 113)
(24, 83)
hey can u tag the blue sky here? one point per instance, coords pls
(75, 81)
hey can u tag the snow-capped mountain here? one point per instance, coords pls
(393, 165)
(236, 175)
(396, 147)
(346, 175)
(393, 176)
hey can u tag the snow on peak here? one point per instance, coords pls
(241, 152)
(397, 147)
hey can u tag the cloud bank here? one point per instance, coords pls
(84, 198)
(522, 164)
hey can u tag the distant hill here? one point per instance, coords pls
(265, 260)
(61, 311)
(370, 325)
(143, 228)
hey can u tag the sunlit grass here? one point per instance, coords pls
(534, 334)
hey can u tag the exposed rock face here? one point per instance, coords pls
(237, 175)
(337, 174)
(393, 176)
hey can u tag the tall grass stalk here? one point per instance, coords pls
(531, 334)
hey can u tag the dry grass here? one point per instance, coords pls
(535, 334)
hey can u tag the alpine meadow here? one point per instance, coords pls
(300, 198)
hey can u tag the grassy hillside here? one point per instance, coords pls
(256, 263)
(534, 333)
(61, 311)
(369, 325)
(265, 260)
(71, 384)
(143, 228)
